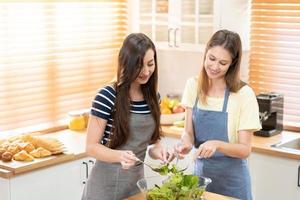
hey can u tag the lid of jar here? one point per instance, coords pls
(76, 113)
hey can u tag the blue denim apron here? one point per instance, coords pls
(230, 176)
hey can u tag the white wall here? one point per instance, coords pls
(176, 66)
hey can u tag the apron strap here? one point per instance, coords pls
(196, 101)
(226, 96)
(225, 100)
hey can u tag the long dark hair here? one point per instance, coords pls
(232, 43)
(130, 64)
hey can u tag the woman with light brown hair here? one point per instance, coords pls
(221, 115)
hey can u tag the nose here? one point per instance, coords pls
(215, 65)
(145, 71)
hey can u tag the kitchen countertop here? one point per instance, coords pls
(75, 144)
(207, 196)
(259, 144)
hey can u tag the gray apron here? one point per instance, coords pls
(108, 181)
(230, 176)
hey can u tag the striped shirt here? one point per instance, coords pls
(103, 104)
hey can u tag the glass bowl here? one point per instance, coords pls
(153, 184)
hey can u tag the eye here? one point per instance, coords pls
(150, 64)
(223, 63)
(212, 58)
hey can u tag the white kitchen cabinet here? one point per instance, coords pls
(173, 23)
(274, 178)
(59, 182)
(187, 24)
(4, 189)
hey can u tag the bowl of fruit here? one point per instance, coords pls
(171, 111)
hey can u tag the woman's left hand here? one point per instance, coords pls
(157, 151)
(207, 149)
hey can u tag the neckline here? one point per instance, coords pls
(138, 102)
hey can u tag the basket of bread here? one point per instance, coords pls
(28, 147)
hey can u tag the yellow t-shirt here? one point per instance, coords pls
(242, 108)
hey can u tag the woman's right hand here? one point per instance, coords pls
(182, 148)
(127, 159)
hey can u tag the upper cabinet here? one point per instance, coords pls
(183, 24)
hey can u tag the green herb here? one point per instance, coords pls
(162, 170)
(178, 187)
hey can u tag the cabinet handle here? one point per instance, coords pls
(299, 176)
(91, 161)
(86, 171)
(169, 37)
(175, 37)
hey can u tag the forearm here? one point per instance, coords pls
(236, 150)
(152, 149)
(103, 153)
(187, 138)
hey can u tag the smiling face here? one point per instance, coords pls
(147, 69)
(217, 62)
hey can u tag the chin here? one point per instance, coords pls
(212, 76)
(142, 82)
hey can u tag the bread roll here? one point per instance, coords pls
(23, 156)
(40, 152)
(7, 156)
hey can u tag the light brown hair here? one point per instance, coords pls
(232, 43)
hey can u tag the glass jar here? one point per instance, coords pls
(77, 121)
(86, 115)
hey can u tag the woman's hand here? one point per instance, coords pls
(157, 151)
(207, 149)
(127, 158)
(182, 148)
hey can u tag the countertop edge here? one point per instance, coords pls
(259, 145)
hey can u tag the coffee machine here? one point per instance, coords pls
(270, 113)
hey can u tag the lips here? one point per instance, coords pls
(213, 72)
(143, 77)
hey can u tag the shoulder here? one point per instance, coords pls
(190, 92)
(106, 95)
(246, 91)
(193, 81)
(107, 90)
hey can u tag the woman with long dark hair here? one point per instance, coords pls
(125, 119)
(221, 115)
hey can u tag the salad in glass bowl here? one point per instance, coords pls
(174, 186)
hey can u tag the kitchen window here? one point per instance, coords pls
(54, 56)
(274, 59)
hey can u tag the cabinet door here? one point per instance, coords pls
(59, 182)
(173, 23)
(4, 188)
(196, 22)
(274, 177)
(86, 167)
(234, 15)
(154, 19)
